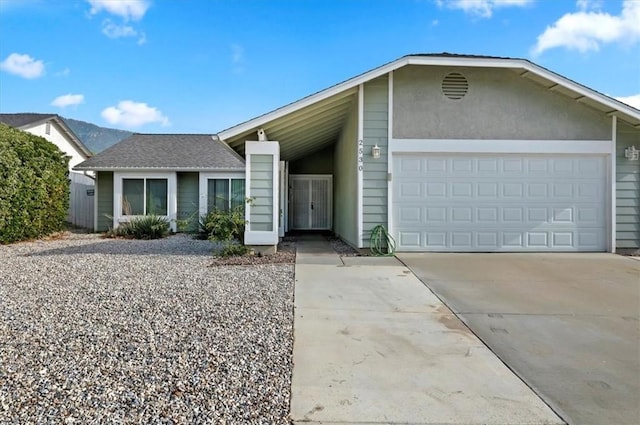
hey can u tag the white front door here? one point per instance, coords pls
(310, 206)
(500, 202)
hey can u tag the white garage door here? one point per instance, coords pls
(499, 203)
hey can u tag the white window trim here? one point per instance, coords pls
(172, 201)
(203, 186)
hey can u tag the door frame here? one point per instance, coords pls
(311, 177)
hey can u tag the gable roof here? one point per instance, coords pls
(167, 152)
(24, 121)
(315, 121)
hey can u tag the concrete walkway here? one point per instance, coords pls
(374, 345)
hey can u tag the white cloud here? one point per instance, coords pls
(113, 30)
(68, 100)
(633, 100)
(589, 4)
(237, 53)
(481, 8)
(237, 58)
(23, 65)
(587, 30)
(64, 73)
(133, 114)
(126, 9)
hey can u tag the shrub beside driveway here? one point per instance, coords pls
(122, 331)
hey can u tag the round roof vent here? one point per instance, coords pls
(455, 86)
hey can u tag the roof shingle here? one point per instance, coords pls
(19, 120)
(166, 151)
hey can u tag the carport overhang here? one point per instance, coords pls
(314, 122)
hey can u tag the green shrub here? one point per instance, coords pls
(231, 249)
(34, 186)
(224, 226)
(145, 227)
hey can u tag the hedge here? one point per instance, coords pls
(34, 186)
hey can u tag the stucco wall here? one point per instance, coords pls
(58, 138)
(627, 190)
(498, 105)
(345, 191)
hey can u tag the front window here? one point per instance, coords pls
(224, 194)
(144, 196)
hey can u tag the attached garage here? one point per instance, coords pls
(459, 153)
(488, 202)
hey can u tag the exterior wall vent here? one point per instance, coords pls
(455, 86)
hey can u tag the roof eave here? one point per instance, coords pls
(74, 138)
(477, 62)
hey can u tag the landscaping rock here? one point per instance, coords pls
(99, 330)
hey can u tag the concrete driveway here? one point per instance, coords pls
(567, 324)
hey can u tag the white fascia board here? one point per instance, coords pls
(581, 90)
(75, 140)
(501, 146)
(462, 61)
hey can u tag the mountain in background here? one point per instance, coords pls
(94, 137)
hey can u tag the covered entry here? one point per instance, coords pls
(500, 202)
(310, 202)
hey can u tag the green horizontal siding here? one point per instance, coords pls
(104, 187)
(627, 189)
(261, 189)
(188, 201)
(376, 131)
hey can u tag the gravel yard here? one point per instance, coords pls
(119, 331)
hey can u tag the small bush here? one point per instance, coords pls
(224, 226)
(145, 227)
(233, 250)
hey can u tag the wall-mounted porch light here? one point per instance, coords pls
(632, 154)
(375, 151)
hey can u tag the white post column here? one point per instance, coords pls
(262, 187)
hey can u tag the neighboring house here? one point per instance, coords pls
(449, 153)
(53, 128)
(179, 176)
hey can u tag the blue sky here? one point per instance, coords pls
(187, 66)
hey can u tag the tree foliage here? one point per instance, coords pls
(34, 186)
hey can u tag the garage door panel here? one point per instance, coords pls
(500, 203)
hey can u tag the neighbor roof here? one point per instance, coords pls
(25, 120)
(315, 121)
(21, 120)
(167, 151)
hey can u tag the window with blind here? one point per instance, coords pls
(225, 194)
(144, 196)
